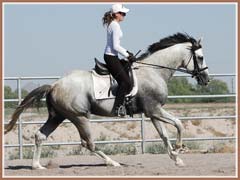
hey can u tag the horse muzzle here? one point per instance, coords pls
(202, 79)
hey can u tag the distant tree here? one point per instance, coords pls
(180, 86)
(24, 92)
(214, 87)
(8, 94)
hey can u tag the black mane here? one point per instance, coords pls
(170, 41)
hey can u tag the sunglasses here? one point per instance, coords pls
(122, 13)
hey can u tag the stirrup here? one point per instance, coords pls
(128, 99)
(129, 105)
(121, 111)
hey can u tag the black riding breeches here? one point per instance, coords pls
(119, 73)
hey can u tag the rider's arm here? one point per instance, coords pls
(116, 40)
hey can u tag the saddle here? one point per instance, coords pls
(102, 72)
(100, 68)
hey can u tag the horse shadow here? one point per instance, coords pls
(87, 165)
(81, 165)
(21, 167)
(18, 167)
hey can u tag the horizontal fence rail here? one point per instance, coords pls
(141, 119)
(137, 119)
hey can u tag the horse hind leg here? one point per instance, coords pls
(83, 126)
(52, 123)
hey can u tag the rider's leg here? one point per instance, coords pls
(117, 70)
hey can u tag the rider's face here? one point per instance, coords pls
(120, 16)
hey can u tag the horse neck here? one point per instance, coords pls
(171, 57)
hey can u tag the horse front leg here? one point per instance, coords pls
(168, 118)
(164, 135)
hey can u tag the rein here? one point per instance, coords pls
(195, 73)
(165, 67)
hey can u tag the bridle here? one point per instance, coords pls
(196, 72)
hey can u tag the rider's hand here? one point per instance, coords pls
(131, 57)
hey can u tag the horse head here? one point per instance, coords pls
(196, 64)
(186, 56)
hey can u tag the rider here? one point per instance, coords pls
(111, 20)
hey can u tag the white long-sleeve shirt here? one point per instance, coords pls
(113, 47)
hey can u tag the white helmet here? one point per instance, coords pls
(118, 8)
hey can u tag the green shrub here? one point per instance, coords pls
(109, 149)
(156, 148)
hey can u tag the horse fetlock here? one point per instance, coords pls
(177, 146)
(39, 137)
(184, 149)
(83, 143)
(91, 146)
(181, 148)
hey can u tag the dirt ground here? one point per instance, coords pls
(220, 164)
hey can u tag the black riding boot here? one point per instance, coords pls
(119, 105)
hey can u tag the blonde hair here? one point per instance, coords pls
(108, 17)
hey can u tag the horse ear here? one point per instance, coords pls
(200, 40)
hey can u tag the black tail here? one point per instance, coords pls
(33, 97)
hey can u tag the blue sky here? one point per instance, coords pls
(54, 39)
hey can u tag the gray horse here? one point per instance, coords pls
(72, 97)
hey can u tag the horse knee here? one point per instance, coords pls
(39, 137)
(179, 125)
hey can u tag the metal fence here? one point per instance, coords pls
(142, 119)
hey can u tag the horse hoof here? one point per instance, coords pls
(181, 150)
(35, 167)
(113, 163)
(179, 163)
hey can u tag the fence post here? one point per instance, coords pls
(143, 133)
(20, 141)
